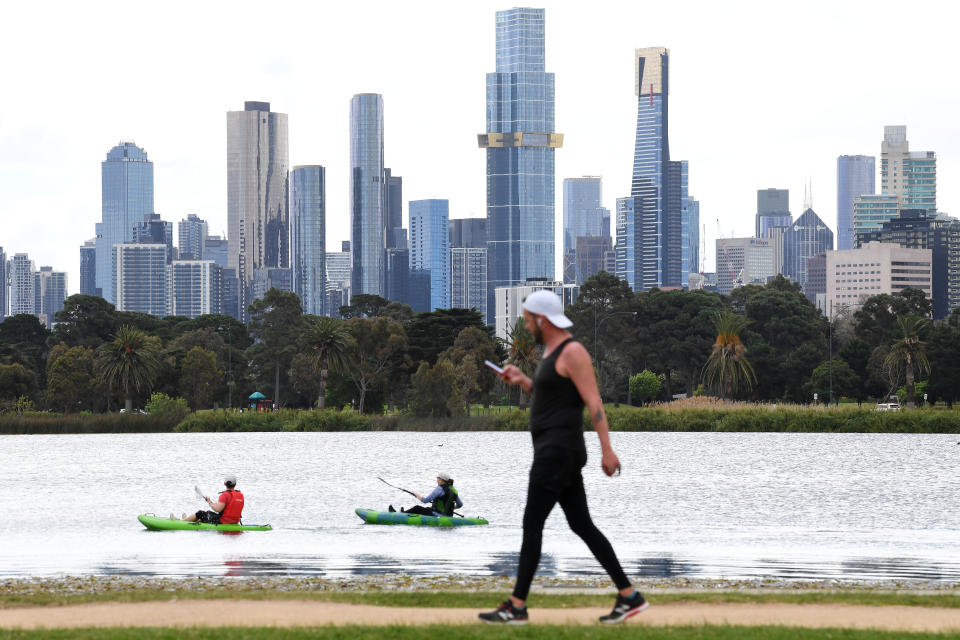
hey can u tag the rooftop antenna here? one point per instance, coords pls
(808, 195)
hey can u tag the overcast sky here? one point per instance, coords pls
(763, 94)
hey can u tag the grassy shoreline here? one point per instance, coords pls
(695, 415)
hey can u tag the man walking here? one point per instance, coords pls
(562, 384)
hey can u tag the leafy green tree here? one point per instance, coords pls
(201, 378)
(16, 380)
(304, 380)
(431, 333)
(329, 344)
(846, 383)
(378, 354)
(856, 354)
(433, 391)
(365, 305)
(908, 353)
(130, 362)
(645, 386)
(173, 409)
(727, 369)
(276, 323)
(876, 319)
(71, 383)
(84, 321)
(943, 350)
(794, 332)
(23, 340)
(471, 347)
(402, 313)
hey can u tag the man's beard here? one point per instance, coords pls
(538, 334)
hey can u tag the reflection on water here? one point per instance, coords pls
(734, 506)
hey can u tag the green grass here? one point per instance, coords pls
(470, 632)
(481, 600)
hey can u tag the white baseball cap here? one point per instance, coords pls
(546, 303)
(230, 479)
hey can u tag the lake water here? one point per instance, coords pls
(704, 505)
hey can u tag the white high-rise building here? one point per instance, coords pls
(742, 261)
(853, 275)
(194, 288)
(140, 278)
(509, 301)
(468, 279)
(22, 285)
(909, 175)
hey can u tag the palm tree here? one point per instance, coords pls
(132, 358)
(908, 352)
(328, 343)
(727, 369)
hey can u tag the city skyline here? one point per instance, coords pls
(786, 125)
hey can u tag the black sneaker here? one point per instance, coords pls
(506, 613)
(391, 509)
(625, 608)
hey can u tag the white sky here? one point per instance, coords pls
(763, 94)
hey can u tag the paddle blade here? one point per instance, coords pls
(199, 493)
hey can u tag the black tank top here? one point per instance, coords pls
(556, 416)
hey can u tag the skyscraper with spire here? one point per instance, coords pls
(520, 141)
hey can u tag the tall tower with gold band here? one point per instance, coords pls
(520, 143)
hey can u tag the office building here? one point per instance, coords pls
(773, 210)
(126, 179)
(911, 176)
(191, 238)
(153, 230)
(591, 256)
(217, 249)
(50, 290)
(308, 236)
(4, 285)
(582, 217)
(853, 275)
(398, 275)
(856, 177)
(394, 233)
(743, 261)
(272, 278)
(816, 287)
(339, 277)
(194, 288)
(509, 301)
(88, 269)
(140, 277)
(468, 279)
(805, 238)
(258, 227)
(659, 185)
(922, 229)
(231, 292)
(519, 141)
(468, 232)
(22, 285)
(625, 249)
(367, 224)
(430, 247)
(690, 240)
(870, 211)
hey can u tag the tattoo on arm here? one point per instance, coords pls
(598, 416)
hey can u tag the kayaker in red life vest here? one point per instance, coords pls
(227, 508)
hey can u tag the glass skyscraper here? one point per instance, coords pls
(658, 186)
(773, 210)
(126, 179)
(367, 224)
(520, 143)
(308, 230)
(856, 176)
(430, 247)
(691, 239)
(258, 228)
(88, 268)
(4, 280)
(191, 237)
(807, 237)
(910, 175)
(50, 290)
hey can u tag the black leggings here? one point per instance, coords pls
(554, 480)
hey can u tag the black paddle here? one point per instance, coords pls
(410, 492)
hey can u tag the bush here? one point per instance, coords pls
(163, 406)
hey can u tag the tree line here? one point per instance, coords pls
(765, 343)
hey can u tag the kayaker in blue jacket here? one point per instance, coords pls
(443, 500)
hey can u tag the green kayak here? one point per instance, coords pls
(371, 516)
(154, 523)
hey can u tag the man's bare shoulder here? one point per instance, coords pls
(573, 354)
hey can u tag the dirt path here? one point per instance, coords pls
(285, 613)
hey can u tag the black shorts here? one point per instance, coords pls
(209, 517)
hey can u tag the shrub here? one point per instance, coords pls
(163, 406)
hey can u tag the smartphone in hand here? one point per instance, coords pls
(493, 366)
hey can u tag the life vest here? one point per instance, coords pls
(231, 512)
(444, 504)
